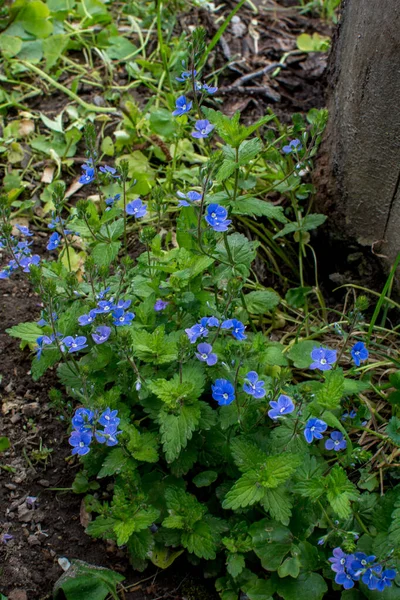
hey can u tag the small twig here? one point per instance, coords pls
(258, 73)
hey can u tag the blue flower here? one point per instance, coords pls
(386, 579)
(189, 198)
(80, 440)
(253, 386)
(104, 307)
(336, 442)
(42, 322)
(23, 248)
(314, 429)
(124, 304)
(361, 562)
(42, 340)
(54, 241)
(323, 359)
(122, 318)
(109, 417)
(108, 435)
(136, 208)
(197, 331)
(102, 293)
(293, 146)
(24, 230)
(344, 579)
(55, 221)
(205, 354)
(186, 75)
(75, 344)
(101, 334)
(183, 106)
(82, 419)
(203, 129)
(351, 415)
(110, 201)
(237, 328)
(109, 170)
(209, 89)
(212, 322)
(88, 175)
(160, 305)
(283, 406)
(340, 560)
(359, 353)
(87, 319)
(27, 261)
(223, 392)
(216, 217)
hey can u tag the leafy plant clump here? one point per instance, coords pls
(206, 436)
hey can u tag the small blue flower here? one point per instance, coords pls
(212, 322)
(109, 417)
(87, 319)
(189, 198)
(359, 353)
(203, 129)
(237, 328)
(27, 261)
(253, 386)
(340, 560)
(109, 170)
(205, 354)
(323, 359)
(283, 406)
(111, 201)
(101, 334)
(223, 392)
(23, 248)
(136, 208)
(336, 442)
(80, 440)
(124, 304)
(108, 435)
(75, 344)
(351, 415)
(122, 318)
(24, 230)
(344, 579)
(42, 340)
(293, 146)
(55, 221)
(186, 75)
(160, 305)
(183, 106)
(54, 241)
(216, 217)
(210, 89)
(197, 331)
(314, 429)
(102, 294)
(386, 579)
(104, 307)
(82, 419)
(89, 174)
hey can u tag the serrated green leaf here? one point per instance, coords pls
(340, 492)
(114, 463)
(260, 302)
(258, 208)
(331, 392)
(245, 492)
(142, 519)
(235, 564)
(27, 332)
(104, 254)
(177, 429)
(308, 223)
(156, 347)
(246, 455)
(278, 503)
(393, 430)
(201, 541)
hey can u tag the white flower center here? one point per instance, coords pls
(312, 428)
(323, 361)
(184, 107)
(203, 131)
(225, 396)
(213, 215)
(204, 356)
(121, 319)
(81, 444)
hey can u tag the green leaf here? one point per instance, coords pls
(9, 45)
(235, 564)
(300, 353)
(279, 505)
(261, 590)
(101, 527)
(4, 443)
(47, 359)
(27, 332)
(393, 430)
(156, 347)
(340, 492)
(114, 463)
(258, 208)
(248, 150)
(308, 223)
(201, 541)
(271, 542)
(34, 18)
(394, 528)
(245, 492)
(205, 478)
(107, 146)
(120, 48)
(308, 586)
(279, 468)
(246, 455)
(53, 48)
(296, 297)
(142, 519)
(88, 582)
(177, 429)
(67, 375)
(289, 567)
(355, 386)
(331, 392)
(161, 122)
(258, 303)
(105, 253)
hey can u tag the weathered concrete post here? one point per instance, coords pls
(359, 166)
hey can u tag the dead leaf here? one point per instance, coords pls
(74, 187)
(26, 127)
(84, 516)
(48, 174)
